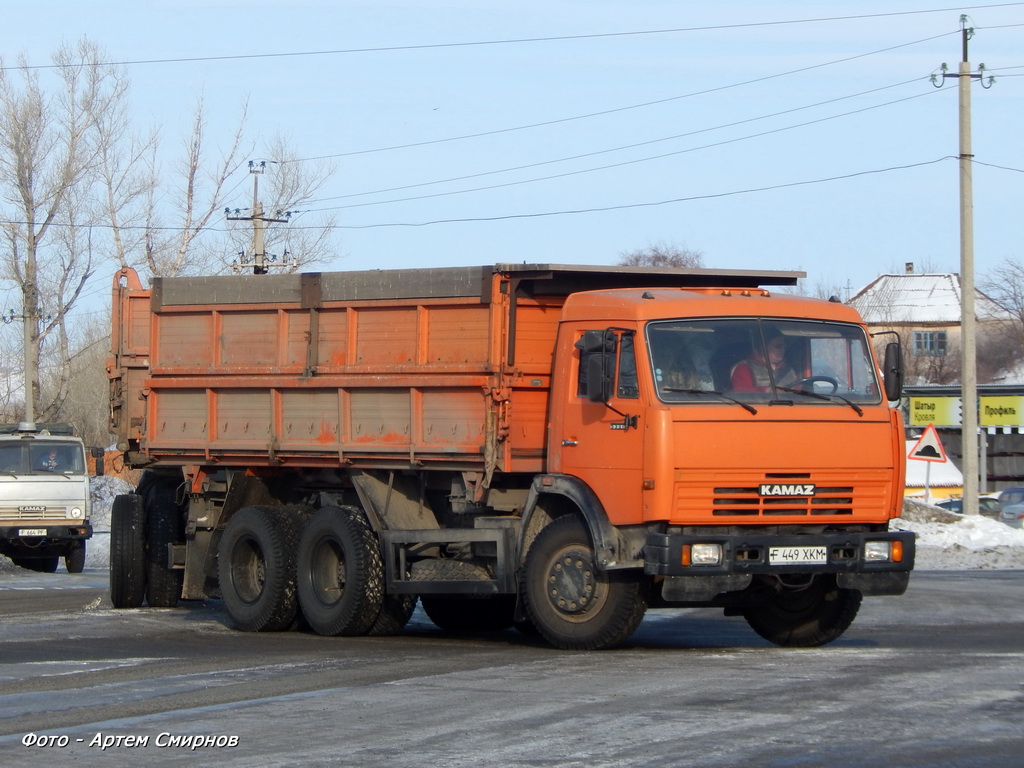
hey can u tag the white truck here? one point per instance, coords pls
(44, 496)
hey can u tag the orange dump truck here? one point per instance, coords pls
(552, 447)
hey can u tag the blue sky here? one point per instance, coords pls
(733, 97)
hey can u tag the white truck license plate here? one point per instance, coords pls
(794, 555)
(31, 531)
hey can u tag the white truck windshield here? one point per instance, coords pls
(42, 457)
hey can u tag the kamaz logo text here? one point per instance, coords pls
(779, 489)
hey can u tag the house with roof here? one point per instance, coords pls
(924, 309)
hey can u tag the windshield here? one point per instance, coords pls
(762, 361)
(41, 457)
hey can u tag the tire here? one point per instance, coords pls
(340, 573)
(127, 552)
(164, 526)
(463, 613)
(256, 569)
(395, 613)
(74, 560)
(571, 604)
(806, 617)
(471, 613)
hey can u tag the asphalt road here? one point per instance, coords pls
(933, 678)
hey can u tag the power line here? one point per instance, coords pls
(628, 162)
(617, 149)
(625, 206)
(523, 40)
(604, 209)
(616, 110)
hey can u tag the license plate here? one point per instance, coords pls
(32, 532)
(795, 555)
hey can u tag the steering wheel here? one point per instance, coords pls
(807, 385)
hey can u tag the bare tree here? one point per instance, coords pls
(662, 255)
(49, 145)
(197, 203)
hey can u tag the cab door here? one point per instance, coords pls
(598, 434)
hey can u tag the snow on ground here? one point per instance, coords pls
(945, 541)
(948, 541)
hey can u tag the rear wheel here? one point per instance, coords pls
(127, 552)
(806, 616)
(74, 560)
(256, 569)
(340, 573)
(164, 526)
(570, 602)
(395, 612)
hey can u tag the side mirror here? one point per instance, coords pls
(98, 453)
(892, 371)
(597, 349)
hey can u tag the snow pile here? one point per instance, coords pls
(945, 540)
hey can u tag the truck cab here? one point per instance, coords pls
(44, 497)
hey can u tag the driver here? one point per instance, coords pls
(756, 373)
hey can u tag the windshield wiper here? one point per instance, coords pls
(820, 396)
(722, 395)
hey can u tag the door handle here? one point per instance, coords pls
(568, 443)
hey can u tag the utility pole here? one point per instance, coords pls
(30, 323)
(968, 340)
(260, 265)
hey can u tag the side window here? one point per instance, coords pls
(11, 459)
(627, 384)
(585, 355)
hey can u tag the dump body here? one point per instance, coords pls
(44, 497)
(557, 445)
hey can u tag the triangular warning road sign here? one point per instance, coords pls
(928, 447)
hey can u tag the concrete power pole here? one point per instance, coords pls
(968, 339)
(259, 260)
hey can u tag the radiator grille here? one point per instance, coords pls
(13, 514)
(737, 496)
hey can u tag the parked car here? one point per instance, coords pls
(1011, 507)
(987, 505)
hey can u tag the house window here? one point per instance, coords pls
(930, 343)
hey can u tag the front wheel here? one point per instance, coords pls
(74, 560)
(570, 602)
(805, 617)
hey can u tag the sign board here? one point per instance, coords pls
(929, 447)
(937, 411)
(1001, 412)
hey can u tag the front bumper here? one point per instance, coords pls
(52, 534)
(745, 555)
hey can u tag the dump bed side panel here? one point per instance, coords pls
(284, 372)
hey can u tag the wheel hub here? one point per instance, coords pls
(571, 584)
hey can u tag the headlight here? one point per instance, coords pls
(75, 513)
(702, 554)
(883, 551)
